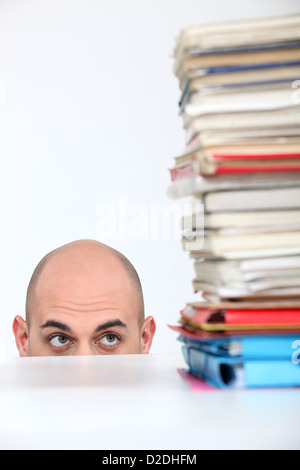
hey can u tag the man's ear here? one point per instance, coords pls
(148, 331)
(20, 330)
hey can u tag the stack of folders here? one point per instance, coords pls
(240, 104)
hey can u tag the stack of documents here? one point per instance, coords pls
(241, 168)
(239, 97)
(240, 345)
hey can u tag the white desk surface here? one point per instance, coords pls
(135, 402)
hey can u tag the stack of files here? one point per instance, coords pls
(240, 167)
(245, 243)
(239, 99)
(249, 278)
(236, 347)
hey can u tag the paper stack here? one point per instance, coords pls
(241, 168)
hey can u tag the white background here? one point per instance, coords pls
(89, 115)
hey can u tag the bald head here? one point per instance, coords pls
(84, 298)
(89, 265)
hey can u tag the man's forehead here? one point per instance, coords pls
(85, 273)
(84, 288)
(82, 314)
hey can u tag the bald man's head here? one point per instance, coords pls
(83, 288)
(93, 250)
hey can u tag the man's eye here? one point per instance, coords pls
(59, 341)
(109, 339)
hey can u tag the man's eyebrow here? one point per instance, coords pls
(64, 327)
(110, 324)
(56, 324)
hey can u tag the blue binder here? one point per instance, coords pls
(248, 347)
(239, 372)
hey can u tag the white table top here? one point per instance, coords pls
(135, 402)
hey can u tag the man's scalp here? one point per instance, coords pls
(126, 264)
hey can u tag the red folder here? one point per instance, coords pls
(218, 164)
(240, 317)
(263, 156)
(254, 169)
